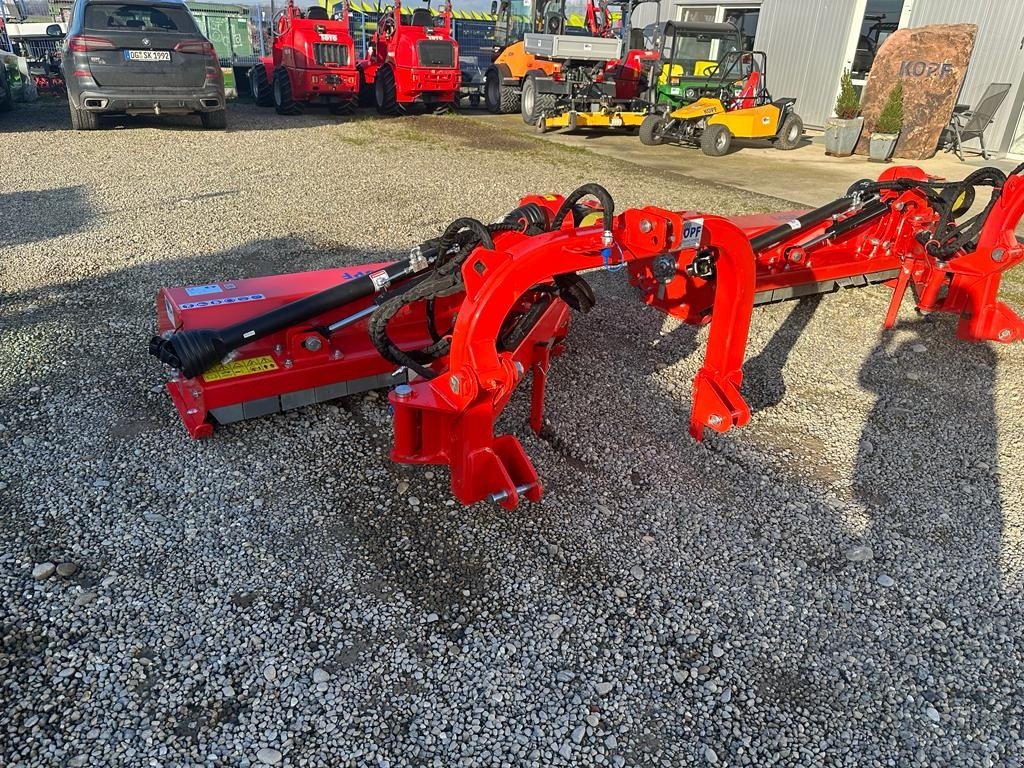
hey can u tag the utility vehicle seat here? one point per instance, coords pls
(318, 13)
(748, 97)
(422, 17)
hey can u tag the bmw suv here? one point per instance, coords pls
(143, 57)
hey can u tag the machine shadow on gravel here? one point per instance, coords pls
(764, 384)
(53, 115)
(30, 218)
(941, 405)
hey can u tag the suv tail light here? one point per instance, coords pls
(85, 43)
(202, 47)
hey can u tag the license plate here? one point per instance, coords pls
(147, 55)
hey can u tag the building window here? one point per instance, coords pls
(698, 13)
(881, 19)
(744, 17)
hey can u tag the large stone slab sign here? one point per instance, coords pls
(931, 62)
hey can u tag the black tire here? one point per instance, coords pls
(651, 130)
(214, 121)
(366, 98)
(83, 119)
(259, 84)
(284, 104)
(532, 104)
(716, 140)
(385, 92)
(790, 132)
(501, 99)
(6, 97)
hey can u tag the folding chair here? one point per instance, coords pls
(971, 124)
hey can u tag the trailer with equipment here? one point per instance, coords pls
(312, 62)
(411, 63)
(738, 106)
(506, 79)
(666, 73)
(595, 88)
(470, 315)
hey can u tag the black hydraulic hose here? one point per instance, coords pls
(528, 216)
(795, 226)
(602, 195)
(872, 210)
(196, 351)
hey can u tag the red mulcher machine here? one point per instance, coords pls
(456, 326)
(411, 63)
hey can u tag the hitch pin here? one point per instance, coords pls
(500, 496)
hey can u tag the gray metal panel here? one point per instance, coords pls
(997, 56)
(575, 47)
(806, 42)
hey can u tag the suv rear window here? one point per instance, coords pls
(143, 18)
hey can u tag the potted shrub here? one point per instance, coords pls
(887, 128)
(843, 130)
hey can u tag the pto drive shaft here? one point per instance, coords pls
(196, 351)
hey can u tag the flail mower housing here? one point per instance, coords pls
(473, 313)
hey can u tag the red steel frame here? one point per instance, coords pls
(450, 419)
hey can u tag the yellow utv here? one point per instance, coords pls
(735, 105)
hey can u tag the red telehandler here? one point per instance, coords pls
(312, 62)
(409, 63)
(457, 326)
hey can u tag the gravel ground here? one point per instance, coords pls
(837, 584)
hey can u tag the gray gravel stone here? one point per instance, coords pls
(43, 571)
(269, 756)
(860, 553)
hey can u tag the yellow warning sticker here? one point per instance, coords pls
(243, 367)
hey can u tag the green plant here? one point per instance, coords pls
(891, 119)
(848, 103)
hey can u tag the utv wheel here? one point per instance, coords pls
(652, 130)
(259, 85)
(6, 97)
(283, 101)
(501, 100)
(959, 202)
(84, 120)
(385, 92)
(215, 121)
(716, 140)
(791, 132)
(533, 103)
